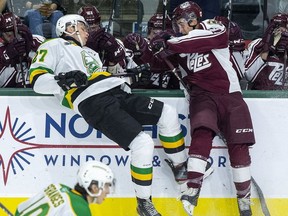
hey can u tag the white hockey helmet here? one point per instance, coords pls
(68, 20)
(94, 172)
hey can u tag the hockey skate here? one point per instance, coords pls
(146, 208)
(244, 206)
(180, 171)
(189, 199)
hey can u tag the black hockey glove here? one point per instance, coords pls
(72, 79)
(142, 73)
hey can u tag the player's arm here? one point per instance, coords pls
(198, 41)
(210, 36)
(254, 62)
(41, 71)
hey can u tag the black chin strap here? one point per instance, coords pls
(189, 24)
(192, 26)
(72, 39)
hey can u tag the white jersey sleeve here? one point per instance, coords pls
(254, 63)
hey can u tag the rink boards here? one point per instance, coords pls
(42, 142)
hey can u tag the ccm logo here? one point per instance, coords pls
(150, 103)
(244, 130)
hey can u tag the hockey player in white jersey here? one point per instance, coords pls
(64, 68)
(93, 185)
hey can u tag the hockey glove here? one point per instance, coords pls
(97, 40)
(114, 52)
(158, 45)
(136, 43)
(26, 34)
(15, 49)
(142, 73)
(237, 45)
(223, 20)
(267, 39)
(107, 42)
(72, 79)
(282, 44)
(102, 40)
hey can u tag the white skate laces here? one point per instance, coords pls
(244, 204)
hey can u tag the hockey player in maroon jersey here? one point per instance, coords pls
(110, 49)
(216, 106)
(13, 49)
(267, 55)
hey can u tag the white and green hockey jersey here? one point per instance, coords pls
(61, 56)
(55, 200)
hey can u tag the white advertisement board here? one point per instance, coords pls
(42, 142)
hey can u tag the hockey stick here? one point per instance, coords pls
(284, 69)
(20, 65)
(108, 27)
(140, 16)
(5, 210)
(164, 14)
(111, 18)
(174, 71)
(263, 204)
(265, 13)
(229, 16)
(135, 73)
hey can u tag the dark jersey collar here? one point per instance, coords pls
(69, 38)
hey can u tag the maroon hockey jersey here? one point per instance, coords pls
(265, 75)
(203, 54)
